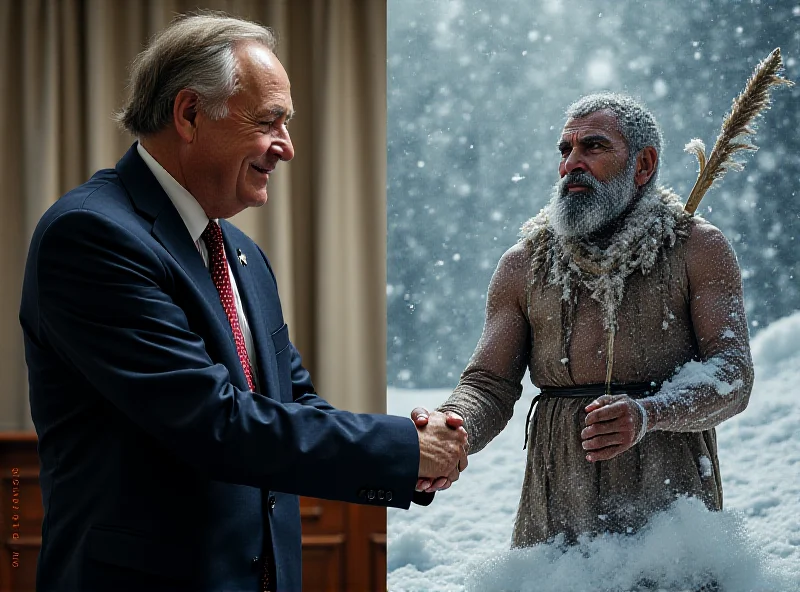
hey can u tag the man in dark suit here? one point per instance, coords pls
(176, 423)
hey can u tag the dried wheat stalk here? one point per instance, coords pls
(735, 127)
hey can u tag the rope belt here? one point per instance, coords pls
(635, 391)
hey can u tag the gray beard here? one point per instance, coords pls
(579, 214)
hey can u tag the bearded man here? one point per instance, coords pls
(628, 312)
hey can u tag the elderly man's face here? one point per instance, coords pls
(233, 157)
(597, 176)
(594, 145)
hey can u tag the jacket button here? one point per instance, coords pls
(381, 494)
(389, 496)
(256, 560)
(272, 502)
(371, 494)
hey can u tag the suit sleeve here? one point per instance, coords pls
(303, 391)
(105, 306)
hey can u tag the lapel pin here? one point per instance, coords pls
(242, 257)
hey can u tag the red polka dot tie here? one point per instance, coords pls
(218, 266)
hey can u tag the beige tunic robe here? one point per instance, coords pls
(660, 329)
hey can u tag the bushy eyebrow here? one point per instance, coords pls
(276, 113)
(599, 138)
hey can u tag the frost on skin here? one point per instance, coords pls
(695, 397)
(705, 392)
(696, 374)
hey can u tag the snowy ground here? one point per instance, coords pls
(461, 541)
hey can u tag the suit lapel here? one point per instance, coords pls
(171, 232)
(169, 229)
(249, 294)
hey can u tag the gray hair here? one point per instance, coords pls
(194, 52)
(635, 122)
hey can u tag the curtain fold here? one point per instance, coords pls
(352, 215)
(63, 71)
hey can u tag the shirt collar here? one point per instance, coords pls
(190, 211)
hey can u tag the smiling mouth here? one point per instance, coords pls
(261, 170)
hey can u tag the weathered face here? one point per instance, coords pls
(231, 159)
(597, 176)
(592, 144)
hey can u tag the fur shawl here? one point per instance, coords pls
(653, 226)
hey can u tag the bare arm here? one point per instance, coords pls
(490, 385)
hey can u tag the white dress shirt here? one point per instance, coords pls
(196, 221)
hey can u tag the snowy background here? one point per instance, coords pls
(461, 541)
(476, 95)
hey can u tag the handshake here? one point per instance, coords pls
(443, 448)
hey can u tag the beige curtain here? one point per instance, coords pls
(63, 71)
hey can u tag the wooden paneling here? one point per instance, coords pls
(377, 559)
(344, 545)
(324, 562)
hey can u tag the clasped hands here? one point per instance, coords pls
(443, 448)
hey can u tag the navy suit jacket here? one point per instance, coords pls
(160, 469)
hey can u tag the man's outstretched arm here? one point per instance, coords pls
(483, 401)
(491, 383)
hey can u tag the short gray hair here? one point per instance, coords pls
(636, 122)
(194, 52)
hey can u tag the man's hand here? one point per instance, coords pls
(613, 425)
(428, 482)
